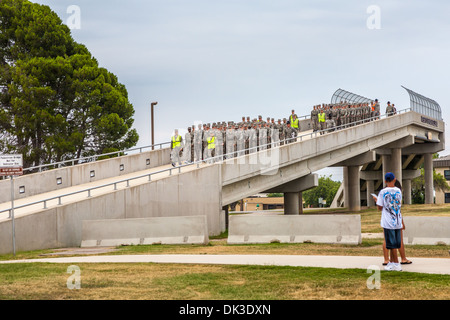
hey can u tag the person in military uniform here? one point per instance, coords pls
(176, 147)
(206, 134)
(198, 143)
(295, 124)
(352, 117)
(311, 118)
(262, 136)
(260, 120)
(252, 139)
(283, 131)
(192, 142)
(322, 118)
(376, 110)
(211, 146)
(269, 137)
(230, 142)
(240, 140)
(291, 116)
(339, 117)
(394, 109)
(219, 144)
(280, 129)
(187, 154)
(389, 109)
(330, 123)
(334, 113)
(290, 133)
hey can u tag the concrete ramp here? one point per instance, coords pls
(427, 230)
(158, 230)
(339, 229)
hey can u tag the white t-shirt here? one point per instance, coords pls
(391, 201)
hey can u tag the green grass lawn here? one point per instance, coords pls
(211, 282)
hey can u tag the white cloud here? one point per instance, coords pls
(218, 60)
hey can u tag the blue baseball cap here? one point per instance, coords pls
(389, 177)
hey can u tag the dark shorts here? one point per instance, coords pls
(393, 238)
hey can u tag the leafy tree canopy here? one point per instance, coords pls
(326, 190)
(56, 101)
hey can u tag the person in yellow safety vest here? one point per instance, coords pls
(291, 117)
(321, 117)
(211, 140)
(294, 124)
(177, 147)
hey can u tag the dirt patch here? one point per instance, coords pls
(80, 251)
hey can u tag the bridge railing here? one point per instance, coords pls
(216, 159)
(81, 160)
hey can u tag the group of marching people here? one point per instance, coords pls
(224, 140)
(343, 115)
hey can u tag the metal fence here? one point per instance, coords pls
(93, 158)
(348, 97)
(424, 105)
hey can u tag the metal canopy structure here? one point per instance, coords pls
(424, 105)
(348, 97)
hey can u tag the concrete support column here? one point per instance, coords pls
(386, 159)
(396, 163)
(354, 189)
(300, 203)
(429, 187)
(345, 182)
(370, 189)
(291, 203)
(406, 186)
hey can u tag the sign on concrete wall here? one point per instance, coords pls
(11, 165)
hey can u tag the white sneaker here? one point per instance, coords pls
(393, 267)
(397, 267)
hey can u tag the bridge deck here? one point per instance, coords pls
(32, 204)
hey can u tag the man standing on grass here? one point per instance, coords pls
(389, 202)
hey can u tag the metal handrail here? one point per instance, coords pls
(91, 158)
(127, 181)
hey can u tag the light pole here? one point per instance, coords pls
(153, 125)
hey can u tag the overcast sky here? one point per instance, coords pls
(219, 60)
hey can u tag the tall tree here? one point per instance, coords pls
(326, 190)
(418, 186)
(56, 101)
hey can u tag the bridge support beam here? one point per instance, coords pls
(407, 191)
(428, 168)
(370, 189)
(293, 203)
(393, 163)
(352, 190)
(396, 160)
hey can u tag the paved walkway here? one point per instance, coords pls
(422, 265)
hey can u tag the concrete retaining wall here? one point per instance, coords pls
(164, 230)
(56, 179)
(175, 196)
(343, 229)
(427, 230)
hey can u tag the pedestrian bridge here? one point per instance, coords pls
(50, 206)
